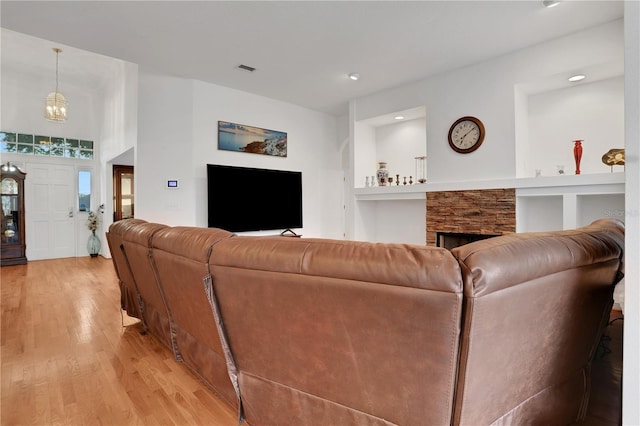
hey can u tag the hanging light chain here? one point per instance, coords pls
(57, 50)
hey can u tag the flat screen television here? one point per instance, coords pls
(248, 199)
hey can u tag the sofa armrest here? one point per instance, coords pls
(497, 263)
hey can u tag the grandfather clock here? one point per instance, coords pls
(12, 241)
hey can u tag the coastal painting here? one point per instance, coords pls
(241, 138)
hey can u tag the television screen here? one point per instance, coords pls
(248, 199)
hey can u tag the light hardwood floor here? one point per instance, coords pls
(66, 358)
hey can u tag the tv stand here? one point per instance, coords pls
(289, 233)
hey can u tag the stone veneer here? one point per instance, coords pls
(484, 211)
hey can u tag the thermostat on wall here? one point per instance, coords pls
(172, 184)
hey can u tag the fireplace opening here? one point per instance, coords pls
(451, 240)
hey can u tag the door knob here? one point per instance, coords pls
(70, 212)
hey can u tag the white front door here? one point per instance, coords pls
(50, 210)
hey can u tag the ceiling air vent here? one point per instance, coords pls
(246, 68)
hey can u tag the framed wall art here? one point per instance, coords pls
(255, 140)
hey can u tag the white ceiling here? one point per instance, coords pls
(303, 50)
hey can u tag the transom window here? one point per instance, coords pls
(29, 144)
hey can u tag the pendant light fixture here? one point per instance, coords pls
(55, 103)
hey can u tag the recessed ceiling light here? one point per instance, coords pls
(354, 76)
(399, 117)
(575, 78)
(550, 3)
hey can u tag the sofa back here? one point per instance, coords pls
(314, 332)
(340, 332)
(181, 256)
(128, 294)
(136, 241)
(535, 305)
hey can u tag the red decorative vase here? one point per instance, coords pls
(577, 153)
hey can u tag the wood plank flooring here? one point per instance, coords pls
(67, 359)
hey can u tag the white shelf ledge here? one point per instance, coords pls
(602, 183)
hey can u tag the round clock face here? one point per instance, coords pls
(466, 135)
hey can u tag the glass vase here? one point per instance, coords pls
(421, 169)
(577, 154)
(93, 245)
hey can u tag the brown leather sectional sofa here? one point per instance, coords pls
(327, 332)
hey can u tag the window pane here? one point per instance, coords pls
(43, 140)
(7, 136)
(73, 143)
(127, 208)
(8, 147)
(86, 154)
(25, 149)
(71, 153)
(57, 141)
(86, 144)
(25, 138)
(57, 152)
(41, 149)
(84, 190)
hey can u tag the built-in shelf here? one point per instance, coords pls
(602, 183)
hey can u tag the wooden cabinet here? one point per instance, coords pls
(12, 237)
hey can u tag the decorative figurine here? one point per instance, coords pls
(614, 157)
(382, 173)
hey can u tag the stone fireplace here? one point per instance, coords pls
(450, 240)
(470, 215)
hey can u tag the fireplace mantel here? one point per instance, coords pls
(604, 183)
(542, 203)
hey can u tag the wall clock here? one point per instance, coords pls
(466, 135)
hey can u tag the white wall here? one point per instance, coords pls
(23, 94)
(177, 137)
(366, 155)
(398, 144)
(119, 127)
(593, 112)
(118, 131)
(165, 150)
(397, 221)
(488, 91)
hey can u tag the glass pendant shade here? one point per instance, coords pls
(55, 107)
